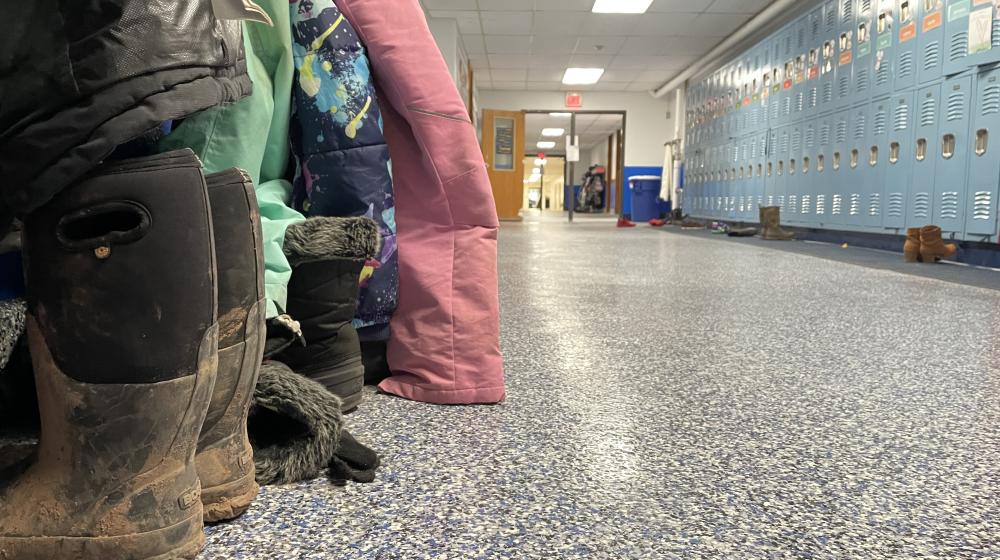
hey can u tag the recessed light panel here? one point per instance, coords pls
(553, 132)
(621, 6)
(546, 145)
(582, 76)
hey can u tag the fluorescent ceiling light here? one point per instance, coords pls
(553, 132)
(545, 145)
(536, 171)
(539, 161)
(621, 6)
(582, 76)
(561, 115)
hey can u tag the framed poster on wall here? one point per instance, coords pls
(503, 144)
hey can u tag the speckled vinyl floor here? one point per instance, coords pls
(677, 397)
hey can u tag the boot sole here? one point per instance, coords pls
(229, 501)
(182, 541)
(346, 380)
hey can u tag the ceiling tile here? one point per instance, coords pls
(651, 76)
(468, 21)
(510, 60)
(590, 60)
(560, 61)
(682, 5)
(506, 5)
(620, 75)
(479, 61)
(611, 24)
(543, 86)
(661, 25)
(564, 5)
(448, 4)
(633, 62)
(508, 44)
(506, 23)
(553, 44)
(565, 23)
(736, 6)
(509, 85)
(690, 45)
(600, 44)
(610, 86)
(645, 45)
(643, 86)
(508, 74)
(545, 75)
(719, 25)
(473, 44)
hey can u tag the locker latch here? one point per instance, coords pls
(982, 141)
(894, 152)
(948, 146)
(921, 149)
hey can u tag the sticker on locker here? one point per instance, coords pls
(980, 30)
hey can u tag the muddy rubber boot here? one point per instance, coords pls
(932, 248)
(911, 249)
(327, 255)
(120, 272)
(770, 222)
(225, 458)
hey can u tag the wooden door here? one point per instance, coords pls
(503, 149)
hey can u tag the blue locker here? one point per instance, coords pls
(953, 154)
(956, 37)
(820, 182)
(806, 173)
(844, 90)
(792, 176)
(857, 173)
(875, 162)
(864, 51)
(775, 140)
(838, 168)
(899, 160)
(905, 64)
(930, 40)
(920, 208)
(984, 167)
(984, 20)
(757, 193)
(828, 56)
(885, 48)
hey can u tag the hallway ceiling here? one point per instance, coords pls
(592, 130)
(528, 44)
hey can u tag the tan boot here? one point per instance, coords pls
(932, 248)
(770, 223)
(911, 249)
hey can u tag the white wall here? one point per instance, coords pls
(445, 32)
(646, 129)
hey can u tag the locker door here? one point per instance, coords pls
(807, 175)
(864, 35)
(838, 168)
(857, 168)
(905, 63)
(899, 160)
(875, 160)
(828, 56)
(920, 210)
(930, 40)
(984, 168)
(844, 90)
(984, 38)
(757, 193)
(801, 70)
(885, 48)
(821, 179)
(791, 201)
(956, 37)
(953, 154)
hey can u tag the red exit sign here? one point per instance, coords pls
(574, 100)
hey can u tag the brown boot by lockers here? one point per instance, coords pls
(911, 249)
(121, 292)
(225, 458)
(770, 223)
(932, 247)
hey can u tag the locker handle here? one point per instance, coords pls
(873, 156)
(921, 149)
(894, 152)
(781, 168)
(982, 141)
(760, 170)
(820, 164)
(836, 161)
(791, 167)
(948, 146)
(770, 168)
(805, 165)
(854, 158)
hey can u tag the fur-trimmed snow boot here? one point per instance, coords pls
(121, 294)
(327, 255)
(225, 458)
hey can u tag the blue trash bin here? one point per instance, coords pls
(645, 190)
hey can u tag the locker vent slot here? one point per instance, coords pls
(995, 40)
(855, 209)
(843, 87)
(786, 107)
(783, 148)
(781, 203)
(982, 205)
(831, 17)
(770, 200)
(895, 208)
(793, 204)
(866, 6)
(875, 205)
(800, 102)
(827, 92)
(949, 205)
(838, 205)
(859, 127)
(882, 78)
(927, 110)
(810, 138)
(841, 131)
(863, 80)
(760, 200)
(956, 105)
(847, 12)
(932, 55)
(991, 100)
(922, 205)
(806, 204)
(959, 46)
(905, 69)
(879, 125)
(824, 134)
(813, 97)
(775, 108)
(821, 204)
(901, 118)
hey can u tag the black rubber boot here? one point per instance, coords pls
(225, 458)
(121, 293)
(327, 255)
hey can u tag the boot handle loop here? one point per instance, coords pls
(98, 227)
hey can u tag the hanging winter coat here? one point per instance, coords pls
(79, 78)
(445, 341)
(343, 161)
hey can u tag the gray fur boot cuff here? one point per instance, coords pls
(322, 238)
(294, 426)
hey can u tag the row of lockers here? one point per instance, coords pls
(860, 114)
(924, 155)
